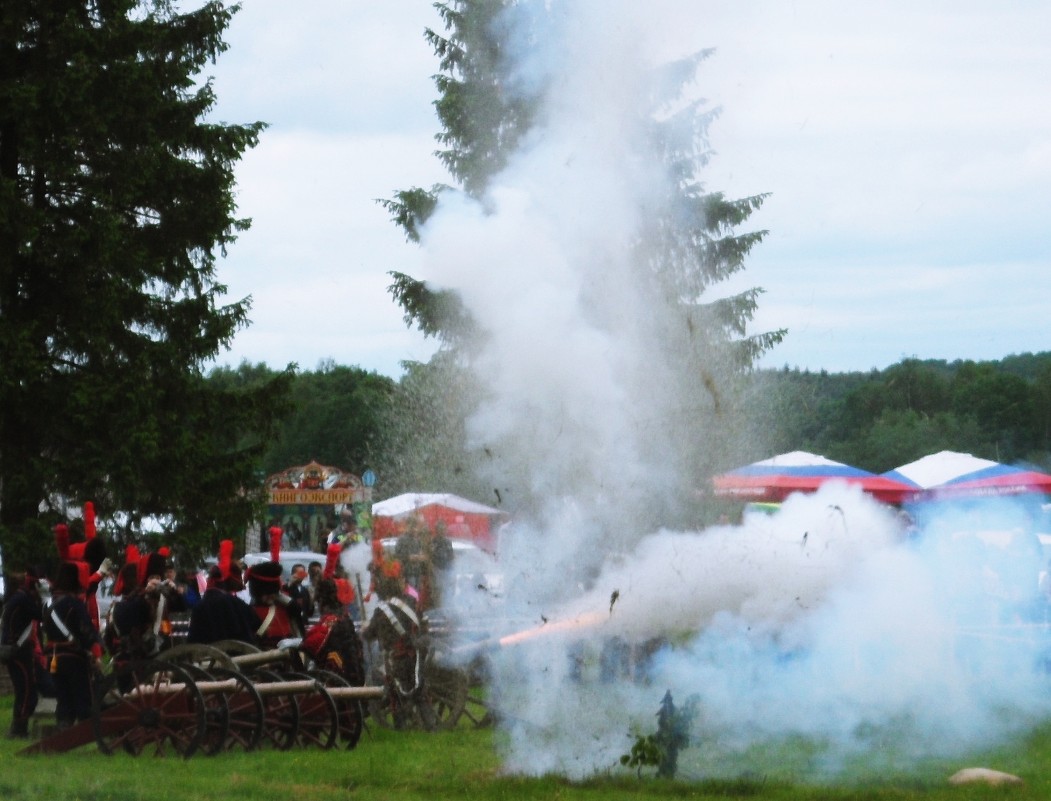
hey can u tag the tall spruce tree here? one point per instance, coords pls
(116, 198)
(685, 248)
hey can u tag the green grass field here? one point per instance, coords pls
(465, 764)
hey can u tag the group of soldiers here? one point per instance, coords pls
(58, 643)
(54, 648)
(279, 613)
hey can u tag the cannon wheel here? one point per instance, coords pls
(132, 711)
(235, 647)
(280, 713)
(318, 715)
(445, 689)
(205, 656)
(477, 710)
(444, 697)
(247, 711)
(216, 713)
(351, 716)
(380, 708)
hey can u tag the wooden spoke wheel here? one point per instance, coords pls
(204, 656)
(318, 715)
(381, 710)
(149, 706)
(280, 712)
(439, 705)
(216, 713)
(476, 709)
(247, 711)
(235, 647)
(351, 715)
(445, 690)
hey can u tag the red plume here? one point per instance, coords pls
(332, 559)
(275, 543)
(89, 521)
(164, 551)
(226, 555)
(131, 557)
(62, 541)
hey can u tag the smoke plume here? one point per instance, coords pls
(824, 621)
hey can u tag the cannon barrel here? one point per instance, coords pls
(261, 658)
(587, 620)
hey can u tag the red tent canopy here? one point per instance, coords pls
(463, 519)
(776, 478)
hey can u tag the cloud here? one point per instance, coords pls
(900, 136)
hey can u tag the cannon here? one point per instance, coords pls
(209, 699)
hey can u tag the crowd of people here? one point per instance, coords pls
(56, 645)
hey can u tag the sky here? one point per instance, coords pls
(905, 147)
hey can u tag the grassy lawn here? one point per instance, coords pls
(465, 764)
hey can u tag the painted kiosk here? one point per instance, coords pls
(303, 500)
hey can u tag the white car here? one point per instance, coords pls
(288, 559)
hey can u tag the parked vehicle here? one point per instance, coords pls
(288, 559)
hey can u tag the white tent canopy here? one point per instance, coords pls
(410, 501)
(941, 468)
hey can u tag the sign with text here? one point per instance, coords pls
(308, 497)
(315, 484)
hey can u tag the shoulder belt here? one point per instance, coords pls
(266, 621)
(24, 635)
(389, 613)
(408, 610)
(58, 622)
(158, 616)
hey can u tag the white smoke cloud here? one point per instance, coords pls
(820, 622)
(823, 622)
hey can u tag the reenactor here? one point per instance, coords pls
(73, 647)
(19, 636)
(221, 614)
(279, 618)
(395, 624)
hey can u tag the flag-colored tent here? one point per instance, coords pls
(949, 474)
(776, 478)
(462, 518)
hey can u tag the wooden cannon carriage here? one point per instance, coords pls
(214, 698)
(207, 699)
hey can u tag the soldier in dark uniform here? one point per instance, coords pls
(221, 615)
(73, 646)
(278, 617)
(410, 552)
(139, 627)
(90, 558)
(439, 555)
(396, 626)
(21, 621)
(333, 642)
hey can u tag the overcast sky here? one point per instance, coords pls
(906, 147)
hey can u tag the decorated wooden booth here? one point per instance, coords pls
(303, 500)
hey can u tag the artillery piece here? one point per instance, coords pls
(208, 699)
(230, 695)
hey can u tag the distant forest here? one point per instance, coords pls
(881, 419)
(876, 420)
